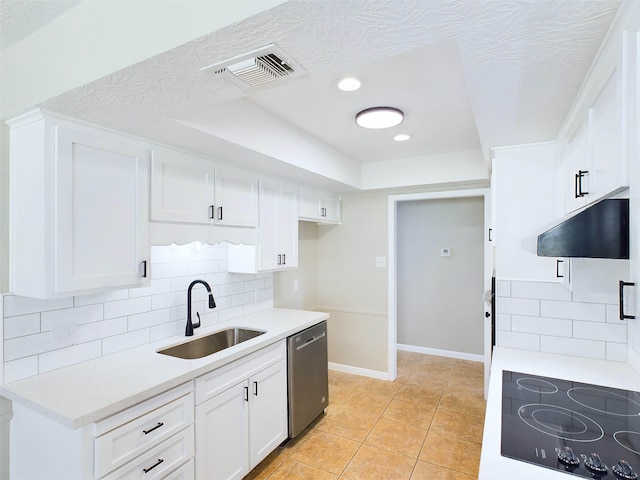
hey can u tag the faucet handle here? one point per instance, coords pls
(196, 325)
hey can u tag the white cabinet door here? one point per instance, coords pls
(277, 242)
(79, 208)
(101, 212)
(236, 198)
(288, 226)
(524, 188)
(577, 169)
(269, 253)
(318, 206)
(609, 165)
(597, 152)
(182, 188)
(268, 423)
(222, 435)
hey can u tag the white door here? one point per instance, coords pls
(182, 188)
(236, 198)
(268, 425)
(101, 192)
(222, 435)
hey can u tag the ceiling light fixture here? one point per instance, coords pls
(379, 117)
(349, 84)
(402, 137)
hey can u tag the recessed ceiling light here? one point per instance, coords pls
(402, 137)
(349, 84)
(379, 117)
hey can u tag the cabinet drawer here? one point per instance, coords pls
(128, 441)
(161, 460)
(211, 384)
(185, 472)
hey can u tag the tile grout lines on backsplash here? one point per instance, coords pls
(42, 335)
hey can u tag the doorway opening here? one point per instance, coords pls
(426, 275)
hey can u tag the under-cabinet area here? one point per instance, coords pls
(140, 414)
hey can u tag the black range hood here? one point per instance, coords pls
(599, 231)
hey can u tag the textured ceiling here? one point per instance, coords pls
(20, 18)
(507, 72)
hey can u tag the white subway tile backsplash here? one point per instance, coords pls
(100, 297)
(157, 287)
(98, 330)
(117, 320)
(125, 341)
(540, 290)
(503, 322)
(21, 325)
(613, 314)
(561, 324)
(77, 315)
(522, 341)
(616, 352)
(21, 368)
(15, 305)
(541, 325)
(518, 306)
(607, 332)
(149, 319)
(167, 300)
(573, 346)
(573, 310)
(243, 298)
(26, 346)
(503, 288)
(166, 330)
(122, 308)
(64, 357)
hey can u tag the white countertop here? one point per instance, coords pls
(82, 394)
(493, 466)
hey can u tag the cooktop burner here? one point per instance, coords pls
(585, 430)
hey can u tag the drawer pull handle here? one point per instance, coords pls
(146, 432)
(147, 470)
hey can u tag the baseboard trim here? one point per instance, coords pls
(364, 372)
(441, 353)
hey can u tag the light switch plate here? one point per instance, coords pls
(445, 252)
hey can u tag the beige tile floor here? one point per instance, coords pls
(425, 425)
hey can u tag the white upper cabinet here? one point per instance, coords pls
(190, 189)
(525, 203)
(79, 209)
(318, 206)
(277, 239)
(236, 197)
(595, 156)
(182, 187)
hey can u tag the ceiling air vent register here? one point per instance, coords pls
(255, 68)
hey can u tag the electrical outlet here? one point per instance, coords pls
(381, 262)
(64, 334)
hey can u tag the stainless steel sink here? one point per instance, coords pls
(203, 346)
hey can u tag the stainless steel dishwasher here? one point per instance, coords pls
(308, 376)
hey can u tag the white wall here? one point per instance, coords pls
(439, 298)
(118, 320)
(305, 277)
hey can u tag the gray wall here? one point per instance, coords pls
(440, 304)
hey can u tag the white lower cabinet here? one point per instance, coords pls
(151, 440)
(242, 416)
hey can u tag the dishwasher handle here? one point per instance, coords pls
(311, 340)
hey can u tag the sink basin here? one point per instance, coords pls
(215, 342)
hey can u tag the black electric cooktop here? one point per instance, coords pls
(584, 430)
